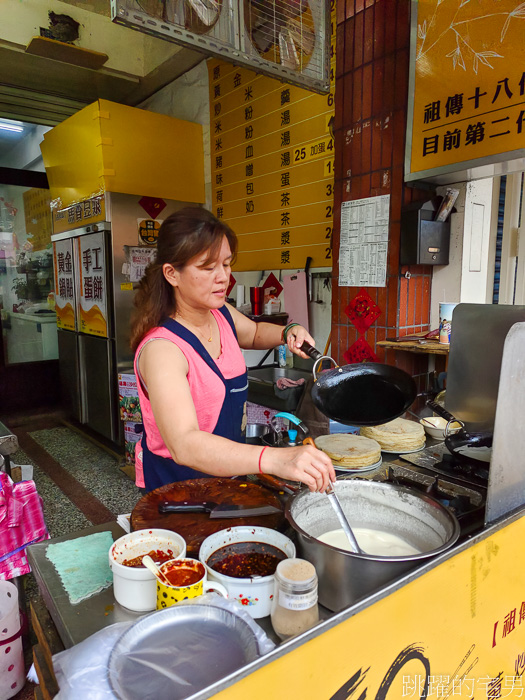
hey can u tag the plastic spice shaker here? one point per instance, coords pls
(294, 606)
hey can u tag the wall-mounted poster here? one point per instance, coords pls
(364, 242)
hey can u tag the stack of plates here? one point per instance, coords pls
(350, 452)
(399, 436)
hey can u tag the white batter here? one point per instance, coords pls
(375, 542)
(482, 453)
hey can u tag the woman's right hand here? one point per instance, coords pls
(305, 463)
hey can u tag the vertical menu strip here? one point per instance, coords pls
(272, 157)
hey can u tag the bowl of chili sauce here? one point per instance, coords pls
(244, 560)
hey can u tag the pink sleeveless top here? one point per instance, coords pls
(206, 387)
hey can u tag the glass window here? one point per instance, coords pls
(28, 319)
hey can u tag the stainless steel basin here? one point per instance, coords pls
(262, 387)
(272, 374)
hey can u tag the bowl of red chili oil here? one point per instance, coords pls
(244, 560)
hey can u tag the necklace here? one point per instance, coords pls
(210, 339)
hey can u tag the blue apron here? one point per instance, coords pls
(163, 470)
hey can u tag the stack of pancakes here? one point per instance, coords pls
(349, 451)
(400, 435)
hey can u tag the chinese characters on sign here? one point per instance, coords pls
(469, 96)
(64, 285)
(440, 687)
(514, 617)
(364, 242)
(93, 285)
(89, 211)
(138, 257)
(483, 125)
(272, 166)
(148, 231)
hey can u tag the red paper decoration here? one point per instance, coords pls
(152, 206)
(362, 311)
(272, 281)
(360, 351)
(231, 284)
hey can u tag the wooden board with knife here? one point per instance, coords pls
(194, 508)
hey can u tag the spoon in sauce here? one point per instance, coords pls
(150, 564)
(336, 505)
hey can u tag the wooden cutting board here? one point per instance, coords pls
(195, 527)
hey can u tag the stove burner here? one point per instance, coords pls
(450, 465)
(465, 500)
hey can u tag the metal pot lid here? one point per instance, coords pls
(176, 652)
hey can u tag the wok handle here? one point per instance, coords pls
(311, 351)
(316, 355)
(441, 411)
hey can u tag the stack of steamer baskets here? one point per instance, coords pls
(399, 435)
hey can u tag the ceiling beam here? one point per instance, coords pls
(23, 178)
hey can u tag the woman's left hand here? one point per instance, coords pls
(296, 337)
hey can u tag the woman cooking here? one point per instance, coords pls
(192, 375)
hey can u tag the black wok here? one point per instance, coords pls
(369, 393)
(463, 444)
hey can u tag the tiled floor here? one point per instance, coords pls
(79, 481)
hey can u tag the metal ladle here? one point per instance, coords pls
(336, 505)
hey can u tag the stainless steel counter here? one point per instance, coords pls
(76, 622)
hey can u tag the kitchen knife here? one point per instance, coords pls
(216, 510)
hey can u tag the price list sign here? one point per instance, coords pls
(272, 161)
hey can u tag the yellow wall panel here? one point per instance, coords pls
(111, 147)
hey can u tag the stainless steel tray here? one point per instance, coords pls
(176, 652)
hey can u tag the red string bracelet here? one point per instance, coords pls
(260, 458)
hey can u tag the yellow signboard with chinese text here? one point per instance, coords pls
(89, 211)
(455, 632)
(272, 155)
(468, 74)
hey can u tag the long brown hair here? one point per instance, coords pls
(183, 235)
